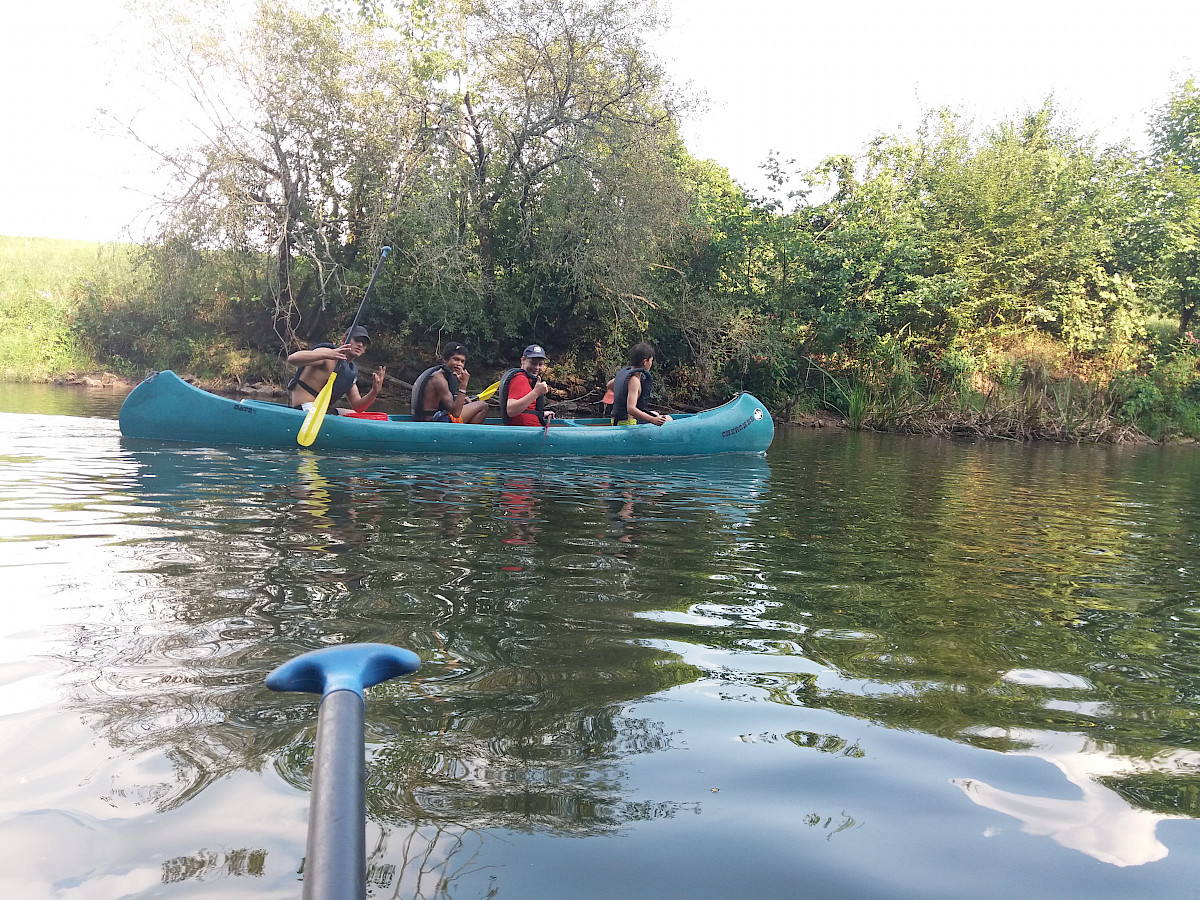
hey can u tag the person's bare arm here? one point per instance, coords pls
(318, 355)
(360, 402)
(459, 400)
(315, 368)
(442, 398)
(635, 394)
(517, 405)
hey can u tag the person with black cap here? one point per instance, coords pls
(315, 364)
(522, 392)
(440, 392)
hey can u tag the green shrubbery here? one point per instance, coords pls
(1163, 400)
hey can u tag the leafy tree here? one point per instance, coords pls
(1175, 203)
(1026, 222)
(553, 173)
(716, 291)
(310, 128)
(939, 240)
(522, 158)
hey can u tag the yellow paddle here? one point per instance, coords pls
(488, 391)
(316, 415)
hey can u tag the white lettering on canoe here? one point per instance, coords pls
(756, 416)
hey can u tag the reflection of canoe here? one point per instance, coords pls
(163, 407)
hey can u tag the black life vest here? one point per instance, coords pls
(620, 410)
(347, 377)
(419, 412)
(539, 408)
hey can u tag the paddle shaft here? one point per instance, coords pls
(335, 862)
(335, 865)
(367, 293)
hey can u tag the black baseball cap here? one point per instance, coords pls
(534, 351)
(358, 333)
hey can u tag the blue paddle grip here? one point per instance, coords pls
(350, 667)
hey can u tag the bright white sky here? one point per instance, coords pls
(806, 79)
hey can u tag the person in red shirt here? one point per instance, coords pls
(523, 392)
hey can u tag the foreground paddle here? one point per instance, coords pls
(487, 392)
(335, 864)
(316, 414)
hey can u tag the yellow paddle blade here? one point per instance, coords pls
(316, 415)
(488, 391)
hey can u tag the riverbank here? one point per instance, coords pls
(79, 313)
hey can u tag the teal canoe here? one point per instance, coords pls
(164, 407)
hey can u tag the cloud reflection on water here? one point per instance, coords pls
(1101, 823)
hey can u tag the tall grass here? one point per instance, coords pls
(858, 406)
(40, 280)
(1028, 395)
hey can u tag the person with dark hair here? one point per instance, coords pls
(315, 364)
(631, 388)
(440, 392)
(522, 391)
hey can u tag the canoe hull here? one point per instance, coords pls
(164, 407)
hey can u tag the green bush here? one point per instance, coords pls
(1164, 401)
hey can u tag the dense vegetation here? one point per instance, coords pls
(522, 159)
(41, 284)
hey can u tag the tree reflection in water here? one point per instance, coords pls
(549, 600)
(516, 719)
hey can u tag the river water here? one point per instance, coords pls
(864, 666)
